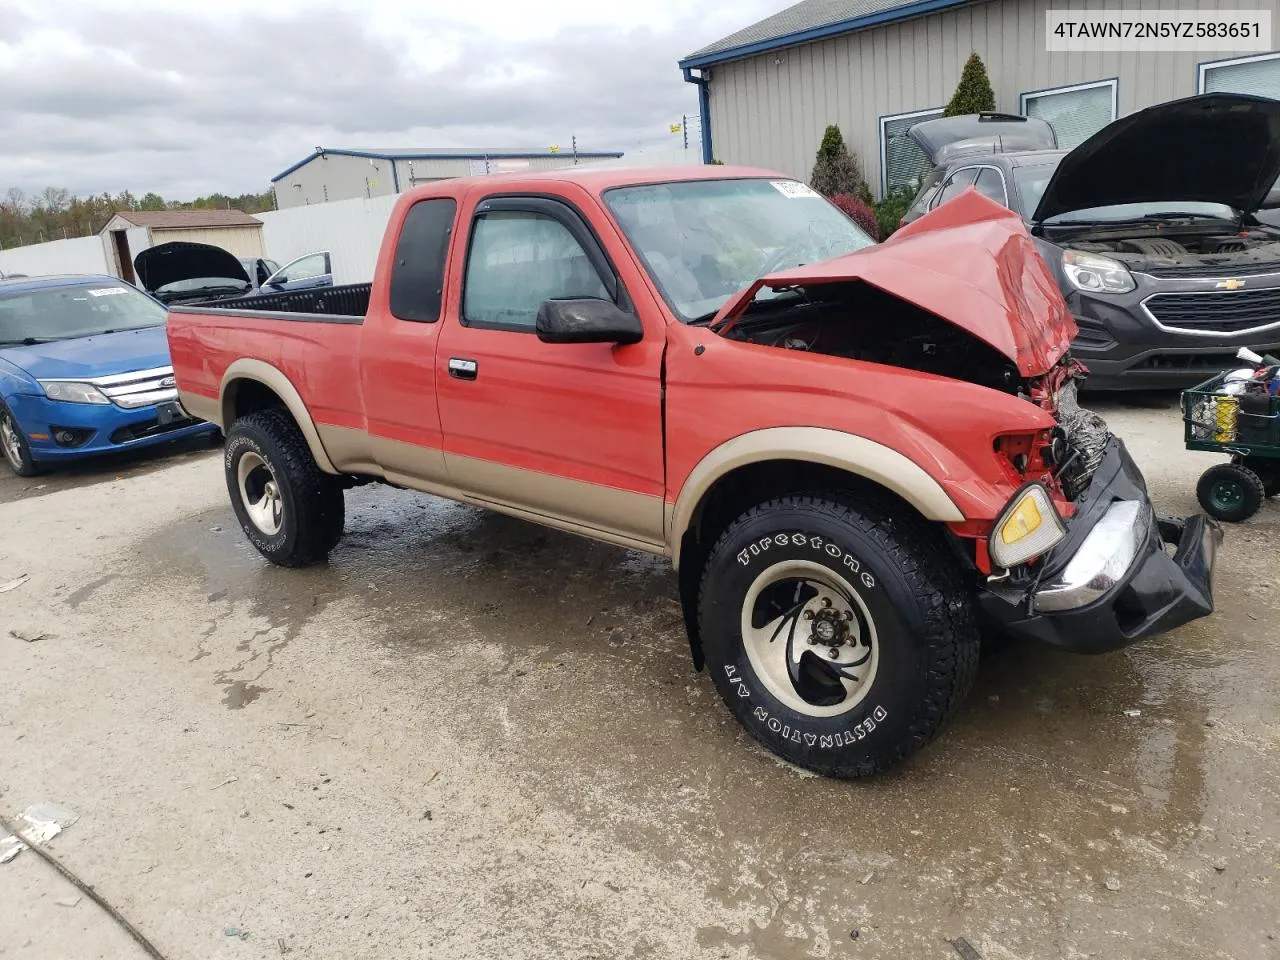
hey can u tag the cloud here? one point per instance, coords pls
(184, 103)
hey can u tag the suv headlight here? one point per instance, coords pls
(1028, 527)
(1094, 274)
(72, 392)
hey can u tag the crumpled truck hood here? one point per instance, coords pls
(971, 263)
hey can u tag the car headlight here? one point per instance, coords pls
(72, 392)
(1094, 274)
(1028, 527)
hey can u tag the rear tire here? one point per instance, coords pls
(1230, 492)
(1267, 469)
(13, 445)
(838, 633)
(291, 510)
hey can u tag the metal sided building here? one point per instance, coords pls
(875, 67)
(345, 174)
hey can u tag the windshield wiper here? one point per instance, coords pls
(704, 318)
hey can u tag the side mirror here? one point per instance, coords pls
(587, 321)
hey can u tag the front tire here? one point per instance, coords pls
(291, 510)
(838, 633)
(13, 445)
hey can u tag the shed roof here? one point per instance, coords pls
(444, 153)
(179, 219)
(811, 20)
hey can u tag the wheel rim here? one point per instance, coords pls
(1226, 494)
(810, 638)
(9, 440)
(260, 494)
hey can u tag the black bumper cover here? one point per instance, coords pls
(1158, 592)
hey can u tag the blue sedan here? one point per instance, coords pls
(84, 370)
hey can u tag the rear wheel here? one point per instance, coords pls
(1267, 469)
(1230, 492)
(13, 445)
(838, 633)
(291, 510)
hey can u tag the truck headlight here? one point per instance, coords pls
(73, 392)
(1094, 274)
(1030, 526)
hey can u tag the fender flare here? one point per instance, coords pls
(271, 377)
(845, 451)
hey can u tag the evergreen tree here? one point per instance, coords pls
(974, 93)
(835, 171)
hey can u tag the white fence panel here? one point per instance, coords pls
(78, 255)
(351, 230)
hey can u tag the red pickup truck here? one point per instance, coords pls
(860, 458)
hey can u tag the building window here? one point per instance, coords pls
(1258, 75)
(902, 163)
(1075, 113)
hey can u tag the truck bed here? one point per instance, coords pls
(349, 302)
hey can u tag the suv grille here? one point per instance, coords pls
(141, 388)
(1222, 311)
(1224, 270)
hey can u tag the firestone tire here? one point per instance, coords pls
(14, 450)
(838, 632)
(1230, 492)
(291, 510)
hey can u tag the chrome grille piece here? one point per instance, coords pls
(142, 388)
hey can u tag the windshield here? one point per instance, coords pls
(65, 313)
(1033, 180)
(704, 240)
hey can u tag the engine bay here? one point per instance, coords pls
(860, 322)
(1161, 250)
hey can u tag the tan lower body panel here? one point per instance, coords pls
(614, 516)
(206, 408)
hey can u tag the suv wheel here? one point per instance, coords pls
(291, 510)
(839, 634)
(13, 444)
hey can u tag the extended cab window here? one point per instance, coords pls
(517, 261)
(417, 276)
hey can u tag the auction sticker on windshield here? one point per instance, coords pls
(792, 189)
(107, 292)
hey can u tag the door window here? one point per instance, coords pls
(953, 187)
(990, 184)
(304, 268)
(518, 260)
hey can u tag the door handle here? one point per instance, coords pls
(462, 369)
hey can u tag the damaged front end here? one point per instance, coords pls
(1112, 579)
(1077, 558)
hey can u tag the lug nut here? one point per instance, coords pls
(833, 652)
(848, 614)
(826, 601)
(808, 614)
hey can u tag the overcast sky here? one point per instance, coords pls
(109, 95)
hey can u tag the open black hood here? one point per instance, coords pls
(1214, 148)
(171, 262)
(948, 137)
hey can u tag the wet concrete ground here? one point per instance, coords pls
(471, 737)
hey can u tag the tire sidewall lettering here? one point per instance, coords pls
(845, 560)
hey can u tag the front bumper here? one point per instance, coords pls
(1112, 581)
(1126, 348)
(97, 428)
